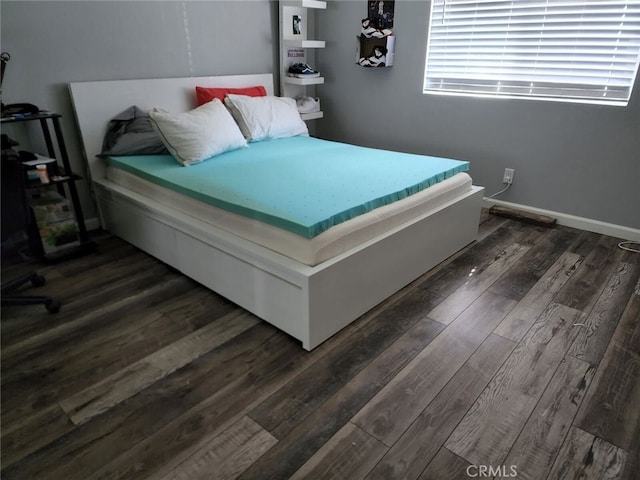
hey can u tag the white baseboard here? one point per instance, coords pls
(604, 228)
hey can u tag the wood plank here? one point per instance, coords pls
(114, 389)
(33, 433)
(631, 256)
(448, 466)
(109, 249)
(632, 465)
(519, 279)
(610, 409)
(492, 424)
(227, 455)
(66, 325)
(177, 425)
(42, 367)
(519, 320)
(419, 444)
(280, 413)
(584, 456)
(594, 336)
(542, 436)
(476, 284)
(94, 280)
(585, 242)
(197, 308)
(489, 226)
(349, 454)
(456, 273)
(400, 402)
(308, 436)
(136, 419)
(22, 322)
(91, 287)
(185, 434)
(41, 395)
(627, 334)
(586, 285)
(67, 368)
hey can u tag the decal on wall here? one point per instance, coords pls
(295, 53)
(376, 42)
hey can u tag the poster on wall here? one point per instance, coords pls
(381, 14)
(376, 43)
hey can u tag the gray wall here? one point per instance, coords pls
(576, 159)
(54, 43)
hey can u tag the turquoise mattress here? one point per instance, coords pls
(302, 184)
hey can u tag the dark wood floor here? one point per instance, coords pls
(522, 352)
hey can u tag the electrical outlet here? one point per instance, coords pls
(508, 175)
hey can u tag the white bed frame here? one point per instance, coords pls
(309, 303)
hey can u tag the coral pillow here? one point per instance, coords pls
(206, 94)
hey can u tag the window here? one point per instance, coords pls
(581, 51)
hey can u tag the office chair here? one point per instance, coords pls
(10, 297)
(16, 216)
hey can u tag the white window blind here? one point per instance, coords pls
(585, 51)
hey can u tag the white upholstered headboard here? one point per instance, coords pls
(95, 103)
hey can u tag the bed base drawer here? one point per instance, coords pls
(309, 303)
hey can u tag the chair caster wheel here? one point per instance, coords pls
(38, 280)
(52, 306)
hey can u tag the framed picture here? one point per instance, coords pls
(296, 26)
(293, 23)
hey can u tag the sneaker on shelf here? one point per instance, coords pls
(302, 70)
(308, 104)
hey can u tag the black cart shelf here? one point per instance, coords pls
(62, 175)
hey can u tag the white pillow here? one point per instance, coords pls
(260, 118)
(196, 135)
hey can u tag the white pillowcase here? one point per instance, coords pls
(260, 118)
(198, 134)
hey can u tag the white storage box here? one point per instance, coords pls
(375, 52)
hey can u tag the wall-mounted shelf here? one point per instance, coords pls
(305, 43)
(313, 4)
(312, 116)
(303, 81)
(296, 26)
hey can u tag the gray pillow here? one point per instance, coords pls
(131, 133)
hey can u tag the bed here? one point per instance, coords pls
(309, 288)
